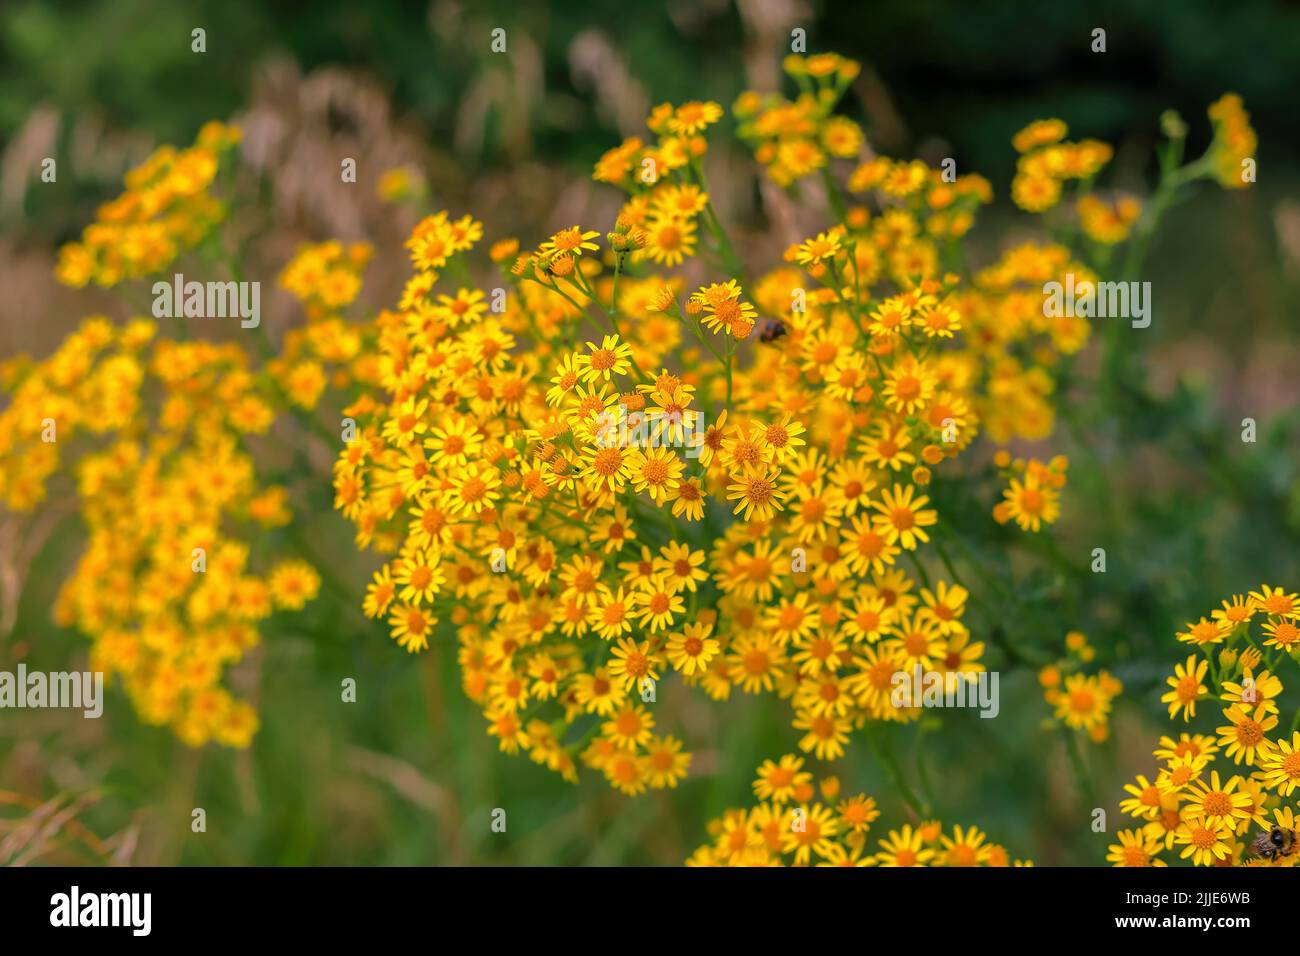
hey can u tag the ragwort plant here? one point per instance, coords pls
(1226, 797)
(593, 477)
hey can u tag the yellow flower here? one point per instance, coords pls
(693, 117)
(777, 781)
(1030, 504)
(691, 650)
(1039, 133)
(903, 517)
(1135, 849)
(756, 493)
(1205, 841)
(293, 584)
(1084, 703)
(611, 357)
(569, 242)
(903, 847)
(1281, 766)
(1245, 735)
(1187, 687)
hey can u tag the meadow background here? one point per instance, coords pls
(1188, 514)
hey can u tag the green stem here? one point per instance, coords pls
(921, 773)
(920, 568)
(895, 775)
(1076, 762)
(731, 349)
(580, 282)
(833, 194)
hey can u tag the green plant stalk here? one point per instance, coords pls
(892, 770)
(1076, 763)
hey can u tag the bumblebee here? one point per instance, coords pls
(1274, 843)
(772, 330)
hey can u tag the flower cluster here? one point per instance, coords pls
(1046, 161)
(791, 827)
(1234, 143)
(794, 139)
(593, 476)
(601, 480)
(326, 277)
(1105, 222)
(1212, 789)
(1080, 701)
(166, 208)
(171, 504)
(1032, 497)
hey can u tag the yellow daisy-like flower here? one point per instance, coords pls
(904, 847)
(664, 764)
(293, 584)
(411, 627)
(1180, 773)
(945, 606)
(1235, 612)
(1202, 632)
(1039, 133)
(612, 612)
(811, 831)
(601, 362)
(1136, 848)
(1204, 841)
(781, 438)
(1145, 801)
(473, 490)
(1283, 634)
(1187, 745)
(858, 813)
(420, 576)
(670, 239)
(1083, 703)
(691, 650)
(633, 663)
(1277, 602)
(731, 315)
(823, 246)
(454, 442)
(570, 242)
(909, 387)
(903, 516)
(826, 735)
(1031, 504)
(967, 847)
(656, 603)
(607, 468)
(1262, 689)
(756, 493)
(694, 117)
(682, 566)
(1188, 687)
(778, 780)
(657, 472)
(1281, 766)
(1246, 735)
